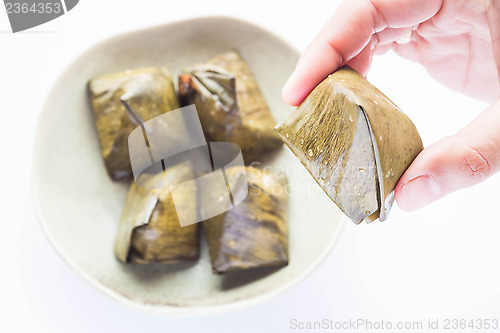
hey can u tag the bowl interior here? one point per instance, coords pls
(79, 206)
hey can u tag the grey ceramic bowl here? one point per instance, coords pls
(79, 206)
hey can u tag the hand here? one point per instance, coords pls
(455, 40)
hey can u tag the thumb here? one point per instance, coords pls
(452, 163)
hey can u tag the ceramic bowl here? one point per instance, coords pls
(79, 207)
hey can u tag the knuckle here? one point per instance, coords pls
(477, 165)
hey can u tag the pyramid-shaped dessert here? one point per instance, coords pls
(354, 141)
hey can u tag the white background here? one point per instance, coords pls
(439, 262)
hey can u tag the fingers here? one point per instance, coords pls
(408, 51)
(347, 33)
(390, 35)
(453, 163)
(361, 63)
(493, 16)
(379, 43)
(390, 38)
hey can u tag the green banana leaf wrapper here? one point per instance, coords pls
(149, 91)
(149, 230)
(354, 141)
(230, 104)
(255, 232)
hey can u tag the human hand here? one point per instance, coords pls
(455, 40)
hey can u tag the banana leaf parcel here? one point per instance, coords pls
(255, 232)
(149, 91)
(230, 104)
(354, 141)
(149, 230)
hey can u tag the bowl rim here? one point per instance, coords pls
(164, 309)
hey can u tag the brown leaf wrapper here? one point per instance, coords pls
(354, 141)
(230, 104)
(149, 230)
(255, 232)
(149, 91)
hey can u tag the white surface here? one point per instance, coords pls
(439, 262)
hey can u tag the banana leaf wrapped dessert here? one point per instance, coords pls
(255, 232)
(230, 104)
(149, 230)
(149, 91)
(354, 141)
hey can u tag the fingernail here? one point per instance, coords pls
(419, 192)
